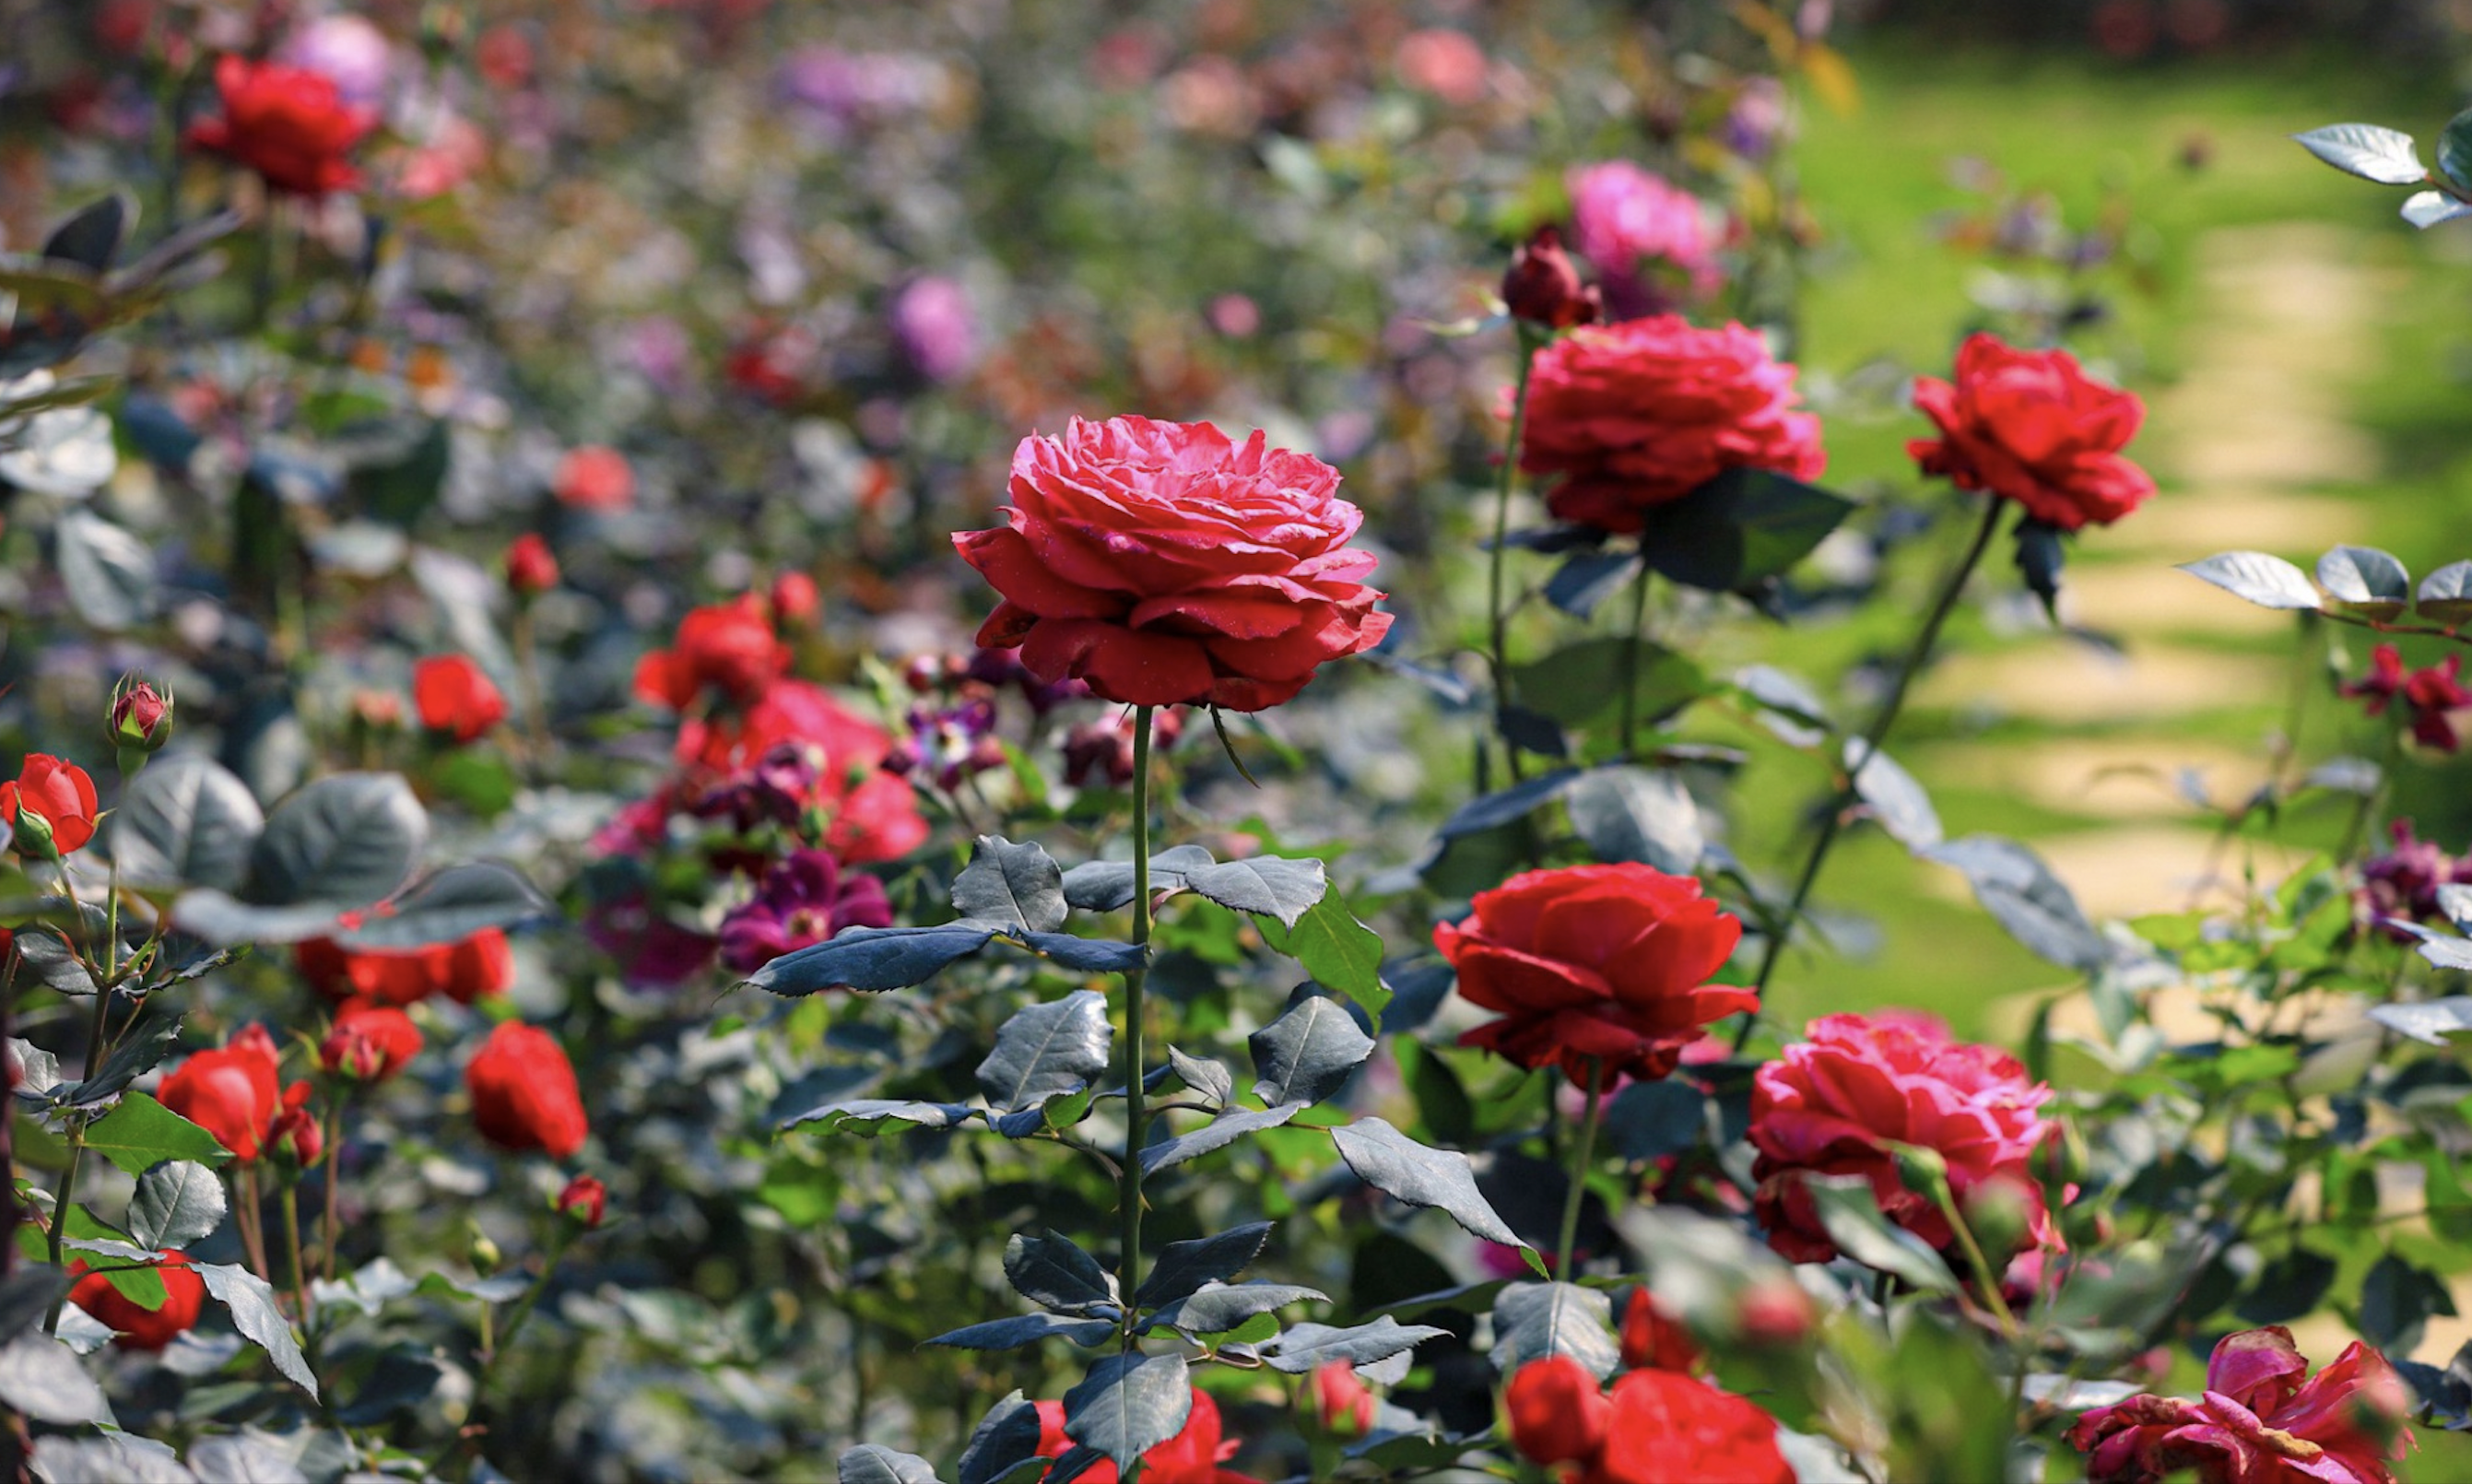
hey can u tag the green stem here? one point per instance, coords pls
(1985, 1273)
(299, 1270)
(1129, 1264)
(65, 1192)
(1630, 661)
(524, 1305)
(1781, 928)
(1580, 1161)
(1498, 616)
(329, 1223)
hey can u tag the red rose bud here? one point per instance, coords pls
(296, 1138)
(1345, 1401)
(1542, 287)
(532, 569)
(289, 124)
(51, 806)
(584, 1201)
(794, 600)
(2030, 426)
(1651, 1337)
(134, 1325)
(1165, 565)
(370, 1043)
(594, 478)
(456, 697)
(141, 717)
(524, 1095)
(1557, 1415)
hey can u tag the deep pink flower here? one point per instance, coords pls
(1834, 1103)
(2263, 1419)
(802, 901)
(1627, 219)
(2431, 693)
(291, 124)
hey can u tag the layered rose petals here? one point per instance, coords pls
(1165, 565)
(291, 124)
(1835, 1104)
(2263, 1419)
(1634, 415)
(2030, 427)
(1593, 963)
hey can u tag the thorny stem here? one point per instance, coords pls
(1781, 927)
(1498, 633)
(1581, 1159)
(1129, 1264)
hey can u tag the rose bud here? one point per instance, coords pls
(594, 478)
(370, 1043)
(484, 1252)
(794, 600)
(296, 1138)
(532, 569)
(456, 697)
(1541, 287)
(584, 1201)
(1345, 1401)
(524, 1093)
(51, 806)
(141, 717)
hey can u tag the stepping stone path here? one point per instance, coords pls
(2248, 447)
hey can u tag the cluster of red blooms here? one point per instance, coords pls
(2431, 695)
(1658, 1425)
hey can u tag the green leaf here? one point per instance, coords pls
(2366, 580)
(2426, 209)
(1047, 1051)
(1307, 1054)
(1533, 1321)
(1852, 1213)
(1018, 886)
(1580, 684)
(2455, 150)
(2369, 151)
(2267, 580)
(254, 1314)
(186, 821)
(1338, 952)
(1129, 1405)
(142, 1133)
(1740, 529)
(1406, 1170)
(177, 1202)
(2446, 594)
(349, 839)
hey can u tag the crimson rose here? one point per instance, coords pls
(1166, 565)
(289, 124)
(2263, 1419)
(2030, 426)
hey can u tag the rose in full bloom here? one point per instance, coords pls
(1605, 965)
(1627, 220)
(456, 697)
(134, 1325)
(1655, 1427)
(291, 124)
(1192, 1456)
(1166, 565)
(57, 794)
(531, 567)
(370, 1041)
(233, 1091)
(2263, 1419)
(593, 478)
(802, 900)
(1835, 1102)
(1542, 287)
(524, 1095)
(2433, 694)
(2030, 426)
(726, 651)
(1632, 415)
(463, 970)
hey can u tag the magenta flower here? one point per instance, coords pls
(801, 901)
(2431, 694)
(1627, 220)
(2263, 1419)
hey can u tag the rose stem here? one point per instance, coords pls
(1129, 1264)
(1499, 625)
(65, 1193)
(1630, 658)
(1781, 927)
(1580, 1162)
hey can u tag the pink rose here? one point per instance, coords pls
(2263, 1419)
(1627, 219)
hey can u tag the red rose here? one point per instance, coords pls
(1542, 286)
(1665, 1427)
(728, 649)
(141, 716)
(594, 478)
(867, 814)
(134, 1325)
(233, 1091)
(524, 1095)
(1607, 964)
(2027, 425)
(531, 567)
(289, 124)
(2263, 1419)
(1191, 1457)
(58, 793)
(456, 697)
(1634, 415)
(794, 600)
(1164, 566)
(1834, 1103)
(1558, 1413)
(463, 970)
(585, 1199)
(1651, 1338)
(370, 1041)
(1342, 1398)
